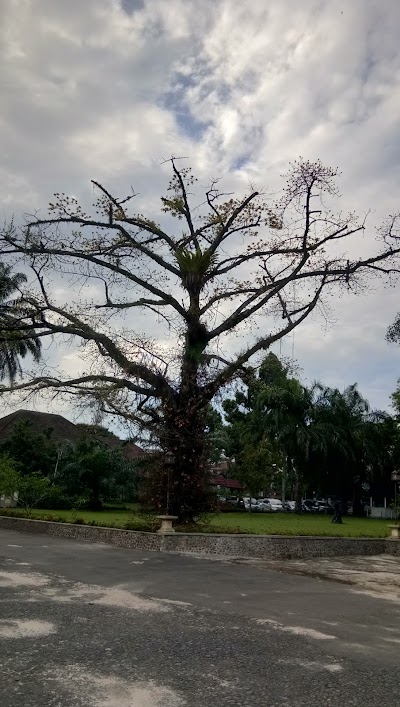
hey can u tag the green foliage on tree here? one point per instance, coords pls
(329, 441)
(29, 490)
(395, 398)
(91, 471)
(32, 451)
(257, 455)
(32, 490)
(9, 476)
(17, 338)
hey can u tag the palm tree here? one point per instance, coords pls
(17, 338)
(319, 429)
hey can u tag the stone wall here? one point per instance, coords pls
(393, 547)
(207, 544)
(272, 546)
(111, 536)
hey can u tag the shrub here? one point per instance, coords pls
(56, 499)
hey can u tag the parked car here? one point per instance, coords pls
(290, 505)
(265, 505)
(275, 504)
(227, 504)
(310, 506)
(251, 502)
(324, 507)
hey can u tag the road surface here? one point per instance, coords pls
(92, 625)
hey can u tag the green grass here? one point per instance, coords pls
(258, 523)
(118, 518)
(293, 524)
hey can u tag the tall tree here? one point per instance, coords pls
(212, 266)
(16, 331)
(285, 410)
(341, 441)
(329, 441)
(395, 397)
(33, 452)
(256, 455)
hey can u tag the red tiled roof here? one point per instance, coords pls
(226, 483)
(233, 484)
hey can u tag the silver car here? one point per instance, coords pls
(264, 505)
(250, 502)
(290, 505)
(272, 504)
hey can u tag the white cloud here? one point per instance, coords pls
(105, 89)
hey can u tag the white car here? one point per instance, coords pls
(250, 501)
(264, 505)
(275, 504)
(290, 505)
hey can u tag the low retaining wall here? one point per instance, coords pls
(207, 544)
(393, 547)
(273, 546)
(112, 536)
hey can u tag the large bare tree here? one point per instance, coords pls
(223, 264)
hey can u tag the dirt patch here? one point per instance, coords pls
(104, 596)
(314, 665)
(378, 576)
(175, 602)
(17, 628)
(296, 630)
(19, 579)
(62, 591)
(110, 691)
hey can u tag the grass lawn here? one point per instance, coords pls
(293, 524)
(258, 523)
(106, 517)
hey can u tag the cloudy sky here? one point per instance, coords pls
(106, 89)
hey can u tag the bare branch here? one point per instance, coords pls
(263, 343)
(186, 209)
(79, 384)
(137, 245)
(117, 269)
(225, 230)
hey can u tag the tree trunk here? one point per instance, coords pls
(284, 484)
(298, 491)
(187, 475)
(189, 492)
(183, 480)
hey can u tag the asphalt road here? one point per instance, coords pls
(99, 626)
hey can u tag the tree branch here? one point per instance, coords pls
(46, 382)
(108, 226)
(262, 344)
(224, 232)
(186, 209)
(117, 269)
(84, 331)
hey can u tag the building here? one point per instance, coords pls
(66, 432)
(220, 478)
